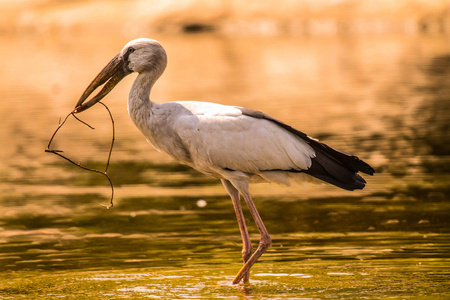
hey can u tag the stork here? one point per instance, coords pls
(230, 143)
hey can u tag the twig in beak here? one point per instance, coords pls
(81, 121)
(104, 173)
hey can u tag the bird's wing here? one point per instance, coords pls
(225, 137)
(330, 165)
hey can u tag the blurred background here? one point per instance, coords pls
(367, 77)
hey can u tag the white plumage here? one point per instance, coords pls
(220, 138)
(230, 143)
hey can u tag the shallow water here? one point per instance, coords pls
(383, 98)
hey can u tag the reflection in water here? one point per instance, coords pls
(174, 232)
(384, 98)
(435, 110)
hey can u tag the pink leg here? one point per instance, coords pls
(247, 247)
(265, 239)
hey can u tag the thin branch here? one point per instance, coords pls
(57, 129)
(104, 173)
(81, 121)
(113, 135)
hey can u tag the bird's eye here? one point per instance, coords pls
(127, 54)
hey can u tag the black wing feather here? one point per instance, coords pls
(330, 165)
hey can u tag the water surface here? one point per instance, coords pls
(383, 98)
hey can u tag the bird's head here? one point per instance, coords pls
(140, 55)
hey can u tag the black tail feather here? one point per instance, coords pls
(330, 171)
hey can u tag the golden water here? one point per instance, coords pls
(383, 98)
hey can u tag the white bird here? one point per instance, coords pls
(230, 143)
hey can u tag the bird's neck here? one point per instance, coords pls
(139, 104)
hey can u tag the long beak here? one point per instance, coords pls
(112, 74)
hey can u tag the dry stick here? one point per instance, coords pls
(57, 152)
(113, 138)
(81, 121)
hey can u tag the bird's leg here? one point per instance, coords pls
(264, 242)
(247, 247)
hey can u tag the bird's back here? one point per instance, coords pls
(218, 139)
